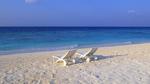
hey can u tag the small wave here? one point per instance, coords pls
(27, 50)
(65, 47)
(128, 42)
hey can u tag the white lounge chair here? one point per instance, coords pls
(87, 56)
(68, 57)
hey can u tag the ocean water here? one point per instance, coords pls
(30, 39)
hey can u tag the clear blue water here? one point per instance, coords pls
(27, 39)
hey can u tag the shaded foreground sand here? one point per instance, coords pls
(128, 64)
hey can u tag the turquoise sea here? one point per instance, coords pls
(32, 39)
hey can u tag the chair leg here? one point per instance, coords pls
(83, 59)
(88, 60)
(70, 61)
(74, 61)
(95, 58)
(62, 61)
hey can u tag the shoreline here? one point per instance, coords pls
(91, 46)
(81, 47)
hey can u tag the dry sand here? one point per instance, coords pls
(127, 64)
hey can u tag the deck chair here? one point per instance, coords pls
(87, 56)
(68, 57)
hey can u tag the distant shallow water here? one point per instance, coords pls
(26, 39)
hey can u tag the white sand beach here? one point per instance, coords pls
(125, 64)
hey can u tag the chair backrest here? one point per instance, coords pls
(91, 52)
(69, 54)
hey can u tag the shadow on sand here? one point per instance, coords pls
(98, 57)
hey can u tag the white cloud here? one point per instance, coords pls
(30, 1)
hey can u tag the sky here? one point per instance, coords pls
(74, 13)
